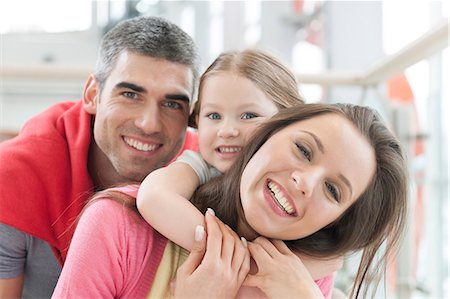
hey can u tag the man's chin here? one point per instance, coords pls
(138, 176)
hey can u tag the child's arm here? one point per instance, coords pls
(163, 201)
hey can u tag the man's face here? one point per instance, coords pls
(141, 116)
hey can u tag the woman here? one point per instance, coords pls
(328, 179)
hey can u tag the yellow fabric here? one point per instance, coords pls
(172, 259)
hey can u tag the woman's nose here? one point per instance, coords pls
(305, 181)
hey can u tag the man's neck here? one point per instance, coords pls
(100, 169)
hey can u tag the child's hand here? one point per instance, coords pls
(281, 274)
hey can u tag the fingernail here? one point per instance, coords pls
(199, 233)
(211, 211)
(244, 241)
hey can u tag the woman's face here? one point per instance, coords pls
(304, 177)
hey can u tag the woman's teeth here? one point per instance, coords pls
(280, 199)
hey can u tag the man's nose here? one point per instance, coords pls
(149, 120)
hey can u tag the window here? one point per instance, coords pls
(50, 16)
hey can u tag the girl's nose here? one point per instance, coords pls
(228, 130)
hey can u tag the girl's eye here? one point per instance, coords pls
(213, 115)
(248, 115)
(304, 151)
(333, 191)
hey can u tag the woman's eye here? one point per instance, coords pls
(248, 115)
(213, 115)
(333, 191)
(304, 151)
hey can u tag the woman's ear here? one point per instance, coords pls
(91, 95)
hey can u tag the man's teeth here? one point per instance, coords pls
(139, 145)
(279, 197)
(230, 149)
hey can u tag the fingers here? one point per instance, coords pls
(227, 246)
(252, 281)
(258, 251)
(229, 240)
(281, 247)
(214, 240)
(244, 266)
(273, 247)
(240, 253)
(234, 250)
(197, 252)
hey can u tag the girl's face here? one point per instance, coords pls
(304, 177)
(231, 108)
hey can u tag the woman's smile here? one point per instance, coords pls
(279, 200)
(301, 178)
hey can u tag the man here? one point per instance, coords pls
(131, 120)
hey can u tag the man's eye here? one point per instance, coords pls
(213, 115)
(130, 95)
(333, 191)
(304, 151)
(172, 105)
(248, 115)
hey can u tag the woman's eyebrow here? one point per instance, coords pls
(322, 150)
(317, 140)
(346, 182)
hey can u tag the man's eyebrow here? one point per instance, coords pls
(131, 86)
(316, 139)
(179, 97)
(138, 88)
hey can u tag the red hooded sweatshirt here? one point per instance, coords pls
(44, 179)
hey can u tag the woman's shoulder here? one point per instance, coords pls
(111, 214)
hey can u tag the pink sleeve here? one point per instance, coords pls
(96, 262)
(326, 285)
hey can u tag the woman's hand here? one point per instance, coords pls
(281, 274)
(216, 271)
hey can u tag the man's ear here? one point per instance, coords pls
(91, 95)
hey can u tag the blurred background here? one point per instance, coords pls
(392, 55)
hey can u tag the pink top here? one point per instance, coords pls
(115, 254)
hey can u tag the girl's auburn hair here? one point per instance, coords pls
(267, 72)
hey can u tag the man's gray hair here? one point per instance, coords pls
(150, 36)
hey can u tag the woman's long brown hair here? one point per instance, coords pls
(376, 218)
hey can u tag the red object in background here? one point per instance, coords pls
(298, 6)
(399, 91)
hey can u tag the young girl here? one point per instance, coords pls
(237, 92)
(327, 179)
